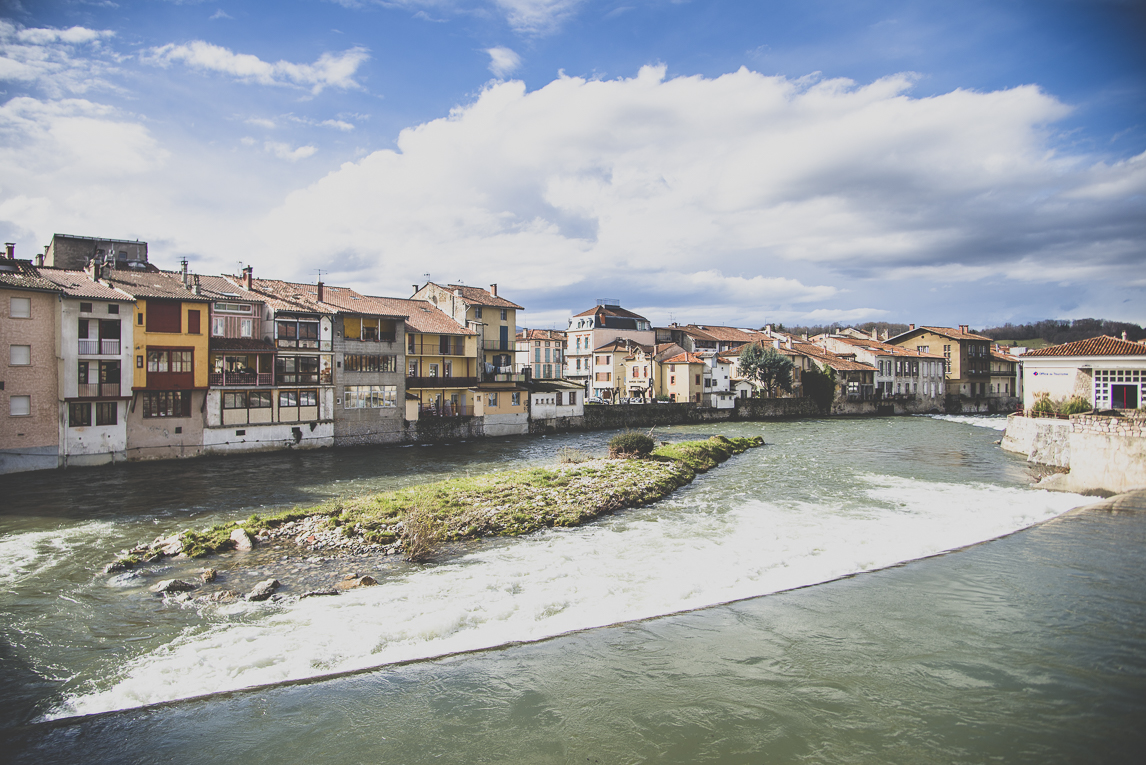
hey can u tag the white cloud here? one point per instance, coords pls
(503, 61)
(261, 122)
(337, 125)
(330, 70)
(286, 151)
(44, 57)
(220, 14)
(537, 16)
(761, 190)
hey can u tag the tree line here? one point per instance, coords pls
(1057, 331)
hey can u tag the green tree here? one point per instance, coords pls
(768, 367)
(820, 386)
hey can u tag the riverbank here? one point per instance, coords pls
(418, 519)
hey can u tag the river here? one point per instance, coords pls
(686, 631)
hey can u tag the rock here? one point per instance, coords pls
(171, 585)
(208, 574)
(263, 590)
(241, 539)
(222, 596)
(350, 576)
(116, 567)
(172, 545)
(316, 593)
(362, 581)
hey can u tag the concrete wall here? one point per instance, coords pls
(1045, 440)
(272, 437)
(512, 424)
(158, 438)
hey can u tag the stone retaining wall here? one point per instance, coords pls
(1103, 453)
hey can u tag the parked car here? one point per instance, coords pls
(595, 400)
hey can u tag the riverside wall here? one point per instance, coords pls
(1102, 453)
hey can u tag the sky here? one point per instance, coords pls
(701, 161)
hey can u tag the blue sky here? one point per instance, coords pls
(710, 162)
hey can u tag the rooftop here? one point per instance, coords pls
(1103, 345)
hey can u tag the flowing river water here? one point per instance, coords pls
(686, 631)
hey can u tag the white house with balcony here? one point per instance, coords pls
(95, 352)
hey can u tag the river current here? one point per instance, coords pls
(822, 501)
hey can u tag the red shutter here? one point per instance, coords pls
(192, 322)
(164, 316)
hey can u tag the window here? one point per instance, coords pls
(245, 327)
(86, 308)
(413, 369)
(107, 413)
(536, 355)
(410, 343)
(19, 355)
(259, 399)
(167, 403)
(218, 326)
(20, 308)
(113, 308)
(515, 398)
(447, 369)
(433, 370)
(698, 379)
(309, 397)
(234, 400)
(139, 319)
(477, 312)
(169, 361)
(288, 398)
(296, 369)
(368, 396)
(357, 362)
(572, 398)
(491, 399)
(193, 322)
(672, 380)
(233, 307)
(79, 415)
(164, 316)
(504, 314)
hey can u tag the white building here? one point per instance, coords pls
(718, 393)
(1107, 372)
(901, 373)
(597, 327)
(95, 378)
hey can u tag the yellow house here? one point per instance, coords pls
(441, 360)
(492, 318)
(683, 377)
(170, 351)
(967, 356)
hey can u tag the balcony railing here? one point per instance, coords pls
(497, 345)
(445, 410)
(99, 347)
(98, 390)
(435, 348)
(240, 378)
(441, 382)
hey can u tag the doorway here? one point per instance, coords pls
(1124, 396)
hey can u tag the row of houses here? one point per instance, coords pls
(111, 358)
(618, 355)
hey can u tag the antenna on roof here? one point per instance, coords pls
(320, 272)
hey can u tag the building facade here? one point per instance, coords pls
(1107, 372)
(966, 356)
(595, 328)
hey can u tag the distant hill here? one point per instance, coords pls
(820, 329)
(1057, 331)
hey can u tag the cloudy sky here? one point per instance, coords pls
(709, 161)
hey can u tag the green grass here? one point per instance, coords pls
(1034, 345)
(499, 504)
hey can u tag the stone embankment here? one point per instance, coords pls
(1103, 453)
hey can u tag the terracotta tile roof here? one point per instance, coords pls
(77, 284)
(610, 310)
(1103, 345)
(282, 296)
(887, 349)
(222, 288)
(952, 332)
(21, 274)
(684, 358)
(1004, 357)
(478, 296)
(614, 346)
(154, 284)
(728, 334)
(665, 350)
(423, 317)
(827, 357)
(542, 334)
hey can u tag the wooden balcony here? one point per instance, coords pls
(223, 379)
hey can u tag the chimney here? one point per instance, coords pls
(10, 249)
(910, 327)
(195, 287)
(40, 262)
(963, 328)
(248, 278)
(458, 292)
(493, 290)
(1124, 337)
(186, 277)
(416, 288)
(320, 292)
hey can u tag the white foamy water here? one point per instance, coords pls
(993, 421)
(26, 554)
(676, 556)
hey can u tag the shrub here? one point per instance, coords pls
(1043, 405)
(419, 538)
(1074, 405)
(630, 445)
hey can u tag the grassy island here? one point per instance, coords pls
(417, 519)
